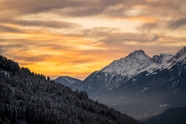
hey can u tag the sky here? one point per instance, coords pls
(76, 37)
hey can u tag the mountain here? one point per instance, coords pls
(29, 98)
(140, 85)
(170, 116)
(73, 83)
(67, 81)
(130, 65)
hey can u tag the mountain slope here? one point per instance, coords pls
(33, 99)
(170, 116)
(140, 85)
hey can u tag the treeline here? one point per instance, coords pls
(8, 65)
(26, 97)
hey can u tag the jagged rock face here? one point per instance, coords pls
(140, 85)
(161, 58)
(181, 55)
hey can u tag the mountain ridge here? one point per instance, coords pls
(138, 76)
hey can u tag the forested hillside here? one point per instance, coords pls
(29, 98)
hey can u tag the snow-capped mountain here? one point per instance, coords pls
(130, 65)
(134, 64)
(140, 85)
(138, 62)
(180, 56)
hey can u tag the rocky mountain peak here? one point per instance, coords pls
(138, 55)
(161, 58)
(181, 52)
(180, 55)
(137, 52)
(130, 65)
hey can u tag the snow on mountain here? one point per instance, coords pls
(161, 58)
(130, 65)
(159, 63)
(180, 56)
(137, 62)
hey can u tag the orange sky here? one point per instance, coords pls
(77, 37)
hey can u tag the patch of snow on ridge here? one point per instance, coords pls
(164, 105)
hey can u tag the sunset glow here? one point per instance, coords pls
(77, 37)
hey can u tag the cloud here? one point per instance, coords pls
(37, 6)
(36, 23)
(79, 8)
(148, 26)
(113, 36)
(176, 24)
(155, 38)
(51, 24)
(4, 28)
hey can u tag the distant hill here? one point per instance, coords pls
(29, 98)
(170, 116)
(67, 81)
